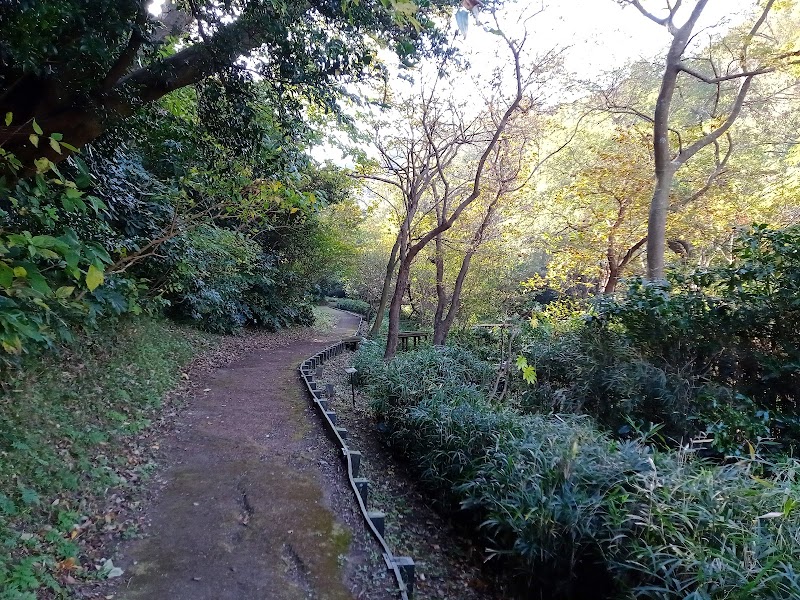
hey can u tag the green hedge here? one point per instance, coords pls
(577, 513)
(356, 306)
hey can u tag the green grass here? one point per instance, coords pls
(69, 422)
(324, 320)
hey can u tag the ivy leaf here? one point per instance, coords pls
(94, 278)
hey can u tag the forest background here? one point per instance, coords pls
(610, 258)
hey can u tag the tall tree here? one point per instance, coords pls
(670, 150)
(432, 135)
(527, 144)
(76, 65)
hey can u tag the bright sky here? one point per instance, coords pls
(602, 35)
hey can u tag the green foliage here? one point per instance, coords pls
(712, 351)
(224, 282)
(356, 306)
(67, 427)
(581, 515)
(51, 274)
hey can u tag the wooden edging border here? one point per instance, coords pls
(310, 371)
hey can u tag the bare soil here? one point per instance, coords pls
(251, 501)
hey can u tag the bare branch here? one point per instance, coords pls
(684, 68)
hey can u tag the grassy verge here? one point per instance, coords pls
(71, 429)
(323, 319)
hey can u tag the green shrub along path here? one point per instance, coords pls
(244, 511)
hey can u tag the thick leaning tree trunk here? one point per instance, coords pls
(403, 274)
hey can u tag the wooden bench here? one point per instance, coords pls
(404, 336)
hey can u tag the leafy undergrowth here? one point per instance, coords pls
(70, 441)
(577, 514)
(448, 565)
(355, 306)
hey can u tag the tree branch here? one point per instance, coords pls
(714, 80)
(711, 137)
(125, 60)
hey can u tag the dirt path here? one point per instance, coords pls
(246, 511)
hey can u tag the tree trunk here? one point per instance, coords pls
(387, 285)
(441, 296)
(657, 225)
(394, 309)
(613, 280)
(83, 119)
(442, 328)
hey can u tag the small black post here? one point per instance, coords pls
(362, 485)
(378, 520)
(355, 461)
(406, 566)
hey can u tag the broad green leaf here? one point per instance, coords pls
(39, 283)
(44, 241)
(9, 117)
(34, 140)
(6, 276)
(57, 136)
(64, 291)
(94, 278)
(55, 145)
(36, 127)
(20, 272)
(13, 345)
(529, 374)
(42, 165)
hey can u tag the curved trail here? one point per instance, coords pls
(245, 511)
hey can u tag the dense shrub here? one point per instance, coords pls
(713, 351)
(56, 271)
(579, 513)
(357, 306)
(224, 282)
